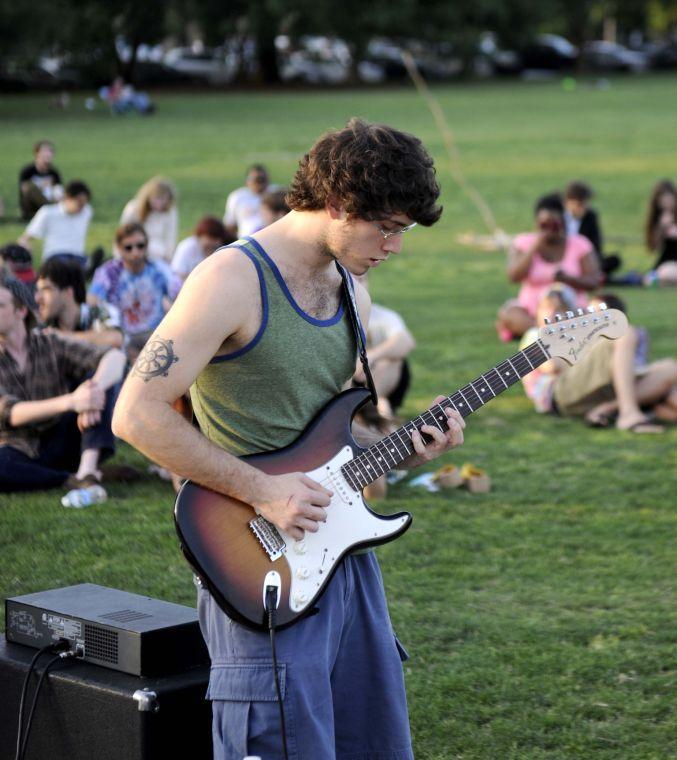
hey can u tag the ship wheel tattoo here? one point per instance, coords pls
(156, 359)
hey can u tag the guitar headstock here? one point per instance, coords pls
(571, 334)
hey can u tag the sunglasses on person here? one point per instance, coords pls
(131, 246)
(550, 226)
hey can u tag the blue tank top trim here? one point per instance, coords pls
(264, 318)
(283, 285)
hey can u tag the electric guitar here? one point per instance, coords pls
(237, 553)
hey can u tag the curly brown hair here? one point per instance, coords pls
(372, 170)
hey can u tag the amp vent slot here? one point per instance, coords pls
(101, 644)
(125, 616)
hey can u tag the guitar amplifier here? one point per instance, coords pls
(136, 634)
(85, 711)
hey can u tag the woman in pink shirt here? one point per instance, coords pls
(538, 260)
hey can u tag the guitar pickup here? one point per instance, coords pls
(268, 537)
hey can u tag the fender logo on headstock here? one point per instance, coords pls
(582, 344)
(608, 323)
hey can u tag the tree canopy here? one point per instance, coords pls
(87, 34)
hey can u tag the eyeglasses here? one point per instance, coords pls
(132, 246)
(389, 233)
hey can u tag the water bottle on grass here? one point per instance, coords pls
(84, 497)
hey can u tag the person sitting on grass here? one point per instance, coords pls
(155, 207)
(61, 297)
(389, 343)
(607, 383)
(273, 206)
(580, 219)
(40, 182)
(243, 206)
(208, 235)
(19, 261)
(55, 419)
(142, 290)
(539, 259)
(63, 228)
(661, 234)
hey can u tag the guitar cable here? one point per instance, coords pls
(22, 736)
(271, 609)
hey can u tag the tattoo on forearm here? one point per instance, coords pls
(156, 359)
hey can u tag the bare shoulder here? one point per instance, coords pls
(214, 303)
(227, 267)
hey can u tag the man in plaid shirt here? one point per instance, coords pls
(54, 420)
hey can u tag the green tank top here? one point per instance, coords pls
(262, 396)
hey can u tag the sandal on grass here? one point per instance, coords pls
(644, 427)
(475, 479)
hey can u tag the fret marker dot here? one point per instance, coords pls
(461, 404)
(508, 372)
(483, 389)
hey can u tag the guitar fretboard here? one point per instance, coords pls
(390, 451)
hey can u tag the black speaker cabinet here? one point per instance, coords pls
(86, 712)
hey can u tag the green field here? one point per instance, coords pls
(540, 617)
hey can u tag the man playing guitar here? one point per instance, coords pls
(261, 336)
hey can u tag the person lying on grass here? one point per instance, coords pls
(612, 381)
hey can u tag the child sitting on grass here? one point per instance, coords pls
(608, 382)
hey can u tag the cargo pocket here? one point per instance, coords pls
(245, 701)
(404, 655)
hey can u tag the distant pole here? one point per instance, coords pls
(500, 237)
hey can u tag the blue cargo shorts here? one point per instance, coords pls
(340, 677)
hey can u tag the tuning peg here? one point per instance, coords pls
(580, 312)
(602, 306)
(591, 309)
(558, 317)
(546, 320)
(570, 315)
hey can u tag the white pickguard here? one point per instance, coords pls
(349, 522)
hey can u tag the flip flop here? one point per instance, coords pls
(644, 427)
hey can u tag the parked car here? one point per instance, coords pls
(610, 56)
(434, 61)
(549, 52)
(313, 59)
(492, 59)
(663, 55)
(213, 65)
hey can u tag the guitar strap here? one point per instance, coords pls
(349, 292)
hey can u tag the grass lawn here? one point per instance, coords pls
(540, 617)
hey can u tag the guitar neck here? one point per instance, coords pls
(392, 450)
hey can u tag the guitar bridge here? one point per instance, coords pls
(268, 537)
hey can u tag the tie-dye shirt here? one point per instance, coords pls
(139, 297)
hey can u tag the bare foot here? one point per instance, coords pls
(601, 416)
(665, 413)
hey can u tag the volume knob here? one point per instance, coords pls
(300, 598)
(302, 572)
(300, 547)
